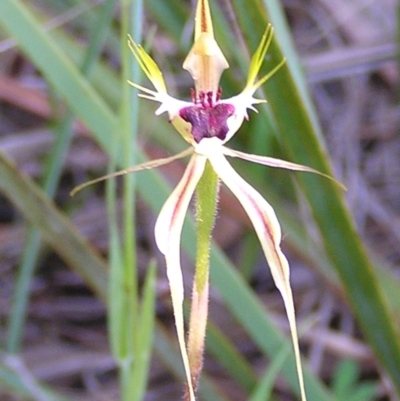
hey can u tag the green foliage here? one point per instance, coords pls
(291, 128)
(345, 383)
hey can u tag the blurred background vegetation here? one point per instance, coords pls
(85, 312)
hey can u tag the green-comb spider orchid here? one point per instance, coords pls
(207, 123)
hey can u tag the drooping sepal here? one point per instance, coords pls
(268, 231)
(168, 237)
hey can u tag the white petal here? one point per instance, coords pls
(278, 163)
(168, 235)
(169, 104)
(241, 102)
(268, 231)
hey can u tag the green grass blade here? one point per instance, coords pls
(21, 294)
(228, 356)
(116, 296)
(15, 377)
(145, 334)
(123, 279)
(170, 15)
(52, 175)
(55, 228)
(265, 386)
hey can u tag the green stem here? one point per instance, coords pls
(128, 129)
(123, 303)
(125, 312)
(206, 203)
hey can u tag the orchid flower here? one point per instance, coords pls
(207, 123)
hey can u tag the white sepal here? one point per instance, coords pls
(268, 230)
(168, 237)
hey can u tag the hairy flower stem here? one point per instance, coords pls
(206, 203)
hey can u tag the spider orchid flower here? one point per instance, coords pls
(207, 123)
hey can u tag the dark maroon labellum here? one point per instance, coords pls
(208, 120)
